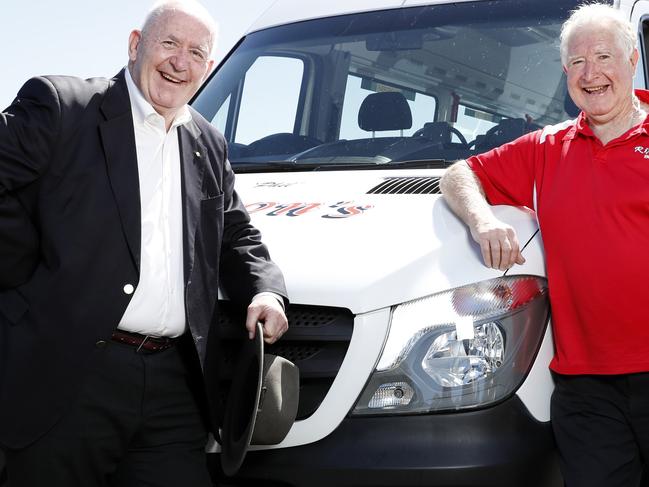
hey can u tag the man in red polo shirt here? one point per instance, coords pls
(588, 180)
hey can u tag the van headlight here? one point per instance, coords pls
(463, 348)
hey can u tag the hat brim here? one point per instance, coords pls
(242, 403)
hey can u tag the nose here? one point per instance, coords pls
(591, 70)
(180, 60)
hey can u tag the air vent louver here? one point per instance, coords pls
(407, 185)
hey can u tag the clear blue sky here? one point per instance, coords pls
(89, 37)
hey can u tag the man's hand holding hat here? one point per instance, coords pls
(266, 309)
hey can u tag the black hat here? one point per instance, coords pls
(261, 405)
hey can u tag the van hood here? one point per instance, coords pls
(365, 240)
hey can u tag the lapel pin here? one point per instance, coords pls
(197, 154)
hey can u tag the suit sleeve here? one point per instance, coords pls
(507, 172)
(28, 131)
(246, 267)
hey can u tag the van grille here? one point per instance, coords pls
(407, 185)
(316, 341)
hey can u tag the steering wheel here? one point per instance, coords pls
(420, 133)
(489, 133)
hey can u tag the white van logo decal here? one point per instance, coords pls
(341, 209)
(293, 209)
(273, 184)
(345, 209)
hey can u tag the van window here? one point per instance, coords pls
(220, 118)
(473, 121)
(422, 108)
(271, 91)
(644, 49)
(426, 84)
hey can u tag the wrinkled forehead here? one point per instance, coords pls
(181, 26)
(594, 35)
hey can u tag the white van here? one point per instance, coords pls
(419, 365)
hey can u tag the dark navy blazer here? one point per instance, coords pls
(69, 188)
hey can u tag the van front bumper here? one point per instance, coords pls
(500, 446)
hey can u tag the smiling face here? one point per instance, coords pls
(600, 74)
(169, 60)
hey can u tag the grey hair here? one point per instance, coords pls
(598, 15)
(190, 7)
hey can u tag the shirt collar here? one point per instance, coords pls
(581, 127)
(144, 112)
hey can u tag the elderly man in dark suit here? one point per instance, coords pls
(119, 221)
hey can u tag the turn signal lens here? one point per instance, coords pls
(391, 395)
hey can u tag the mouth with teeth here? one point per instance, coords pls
(170, 78)
(596, 90)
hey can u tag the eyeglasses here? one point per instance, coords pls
(197, 55)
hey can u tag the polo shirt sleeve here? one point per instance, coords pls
(507, 172)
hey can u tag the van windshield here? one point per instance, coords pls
(434, 83)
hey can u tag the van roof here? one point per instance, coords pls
(289, 11)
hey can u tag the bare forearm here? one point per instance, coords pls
(464, 194)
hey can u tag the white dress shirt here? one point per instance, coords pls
(157, 307)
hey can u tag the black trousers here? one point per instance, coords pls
(135, 423)
(601, 425)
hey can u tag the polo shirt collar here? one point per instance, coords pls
(144, 112)
(581, 127)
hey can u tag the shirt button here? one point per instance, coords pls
(100, 344)
(128, 289)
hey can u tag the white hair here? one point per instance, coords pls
(190, 7)
(598, 15)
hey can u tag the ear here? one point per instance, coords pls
(634, 58)
(133, 43)
(565, 69)
(210, 66)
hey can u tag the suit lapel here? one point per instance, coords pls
(193, 156)
(118, 139)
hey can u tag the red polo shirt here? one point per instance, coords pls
(593, 208)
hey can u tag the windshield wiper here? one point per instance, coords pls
(265, 166)
(284, 166)
(414, 164)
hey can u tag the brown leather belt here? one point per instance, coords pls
(143, 342)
